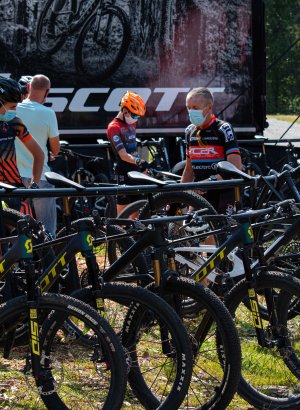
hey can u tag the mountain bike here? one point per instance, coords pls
(220, 386)
(103, 39)
(260, 304)
(92, 375)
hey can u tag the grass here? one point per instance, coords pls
(265, 369)
(281, 117)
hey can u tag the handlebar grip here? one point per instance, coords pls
(296, 172)
(273, 172)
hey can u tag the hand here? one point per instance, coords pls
(197, 191)
(143, 166)
(51, 156)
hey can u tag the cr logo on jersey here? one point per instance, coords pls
(203, 152)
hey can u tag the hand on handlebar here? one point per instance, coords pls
(143, 166)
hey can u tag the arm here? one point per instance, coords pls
(126, 157)
(235, 159)
(53, 134)
(231, 146)
(38, 158)
(54, 145)
(188, 173)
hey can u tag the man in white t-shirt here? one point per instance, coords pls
(41, 122)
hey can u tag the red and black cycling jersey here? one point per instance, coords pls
(122, 135)
(15, 128)
(210, 145)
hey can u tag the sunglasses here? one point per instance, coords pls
(134, 116)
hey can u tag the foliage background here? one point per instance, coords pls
(283, 78)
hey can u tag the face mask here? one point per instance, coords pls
(130, 120)
(8, 115)
(196, 117)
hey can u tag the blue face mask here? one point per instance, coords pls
(196, 117)
(8, 115)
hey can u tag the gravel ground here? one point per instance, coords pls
(277, 128)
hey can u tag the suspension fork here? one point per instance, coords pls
(269, 295)
(32, 297)
(93, 274)
(158, 266)
(207, 320)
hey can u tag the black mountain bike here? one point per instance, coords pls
(103, 39)
(93, 373)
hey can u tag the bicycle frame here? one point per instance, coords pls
(79, 17)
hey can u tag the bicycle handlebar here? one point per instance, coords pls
(73, 154)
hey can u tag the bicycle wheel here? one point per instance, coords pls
(178, 168)
(132, 208)
(267, 381)
(93, 375)
(53, 28)
(157, 346)
(102, 43)
(215, 344)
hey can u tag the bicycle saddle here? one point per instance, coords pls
(60, 181)
(226, 168)
(144, 177)
(7, 187)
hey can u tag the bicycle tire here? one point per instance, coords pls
(217, 376)
(179, 167)
(142, 347)
(83, 61)
(278, 388)
(132, 208)
(77, 388)
(187, 199)
(11, 216)
(57, 41)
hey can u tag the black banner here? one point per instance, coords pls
(93, 51)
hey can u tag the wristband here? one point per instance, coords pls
(33, 185)
(137, 161)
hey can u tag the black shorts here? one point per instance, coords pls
(221, 199)
(124, 199)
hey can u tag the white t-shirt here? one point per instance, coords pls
(41, 122)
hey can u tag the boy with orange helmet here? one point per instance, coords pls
(121, 132)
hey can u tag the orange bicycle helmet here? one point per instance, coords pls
(134, 103)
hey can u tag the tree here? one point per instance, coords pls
(283, 40)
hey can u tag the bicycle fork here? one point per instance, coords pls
(24, 230)
(253, 298)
